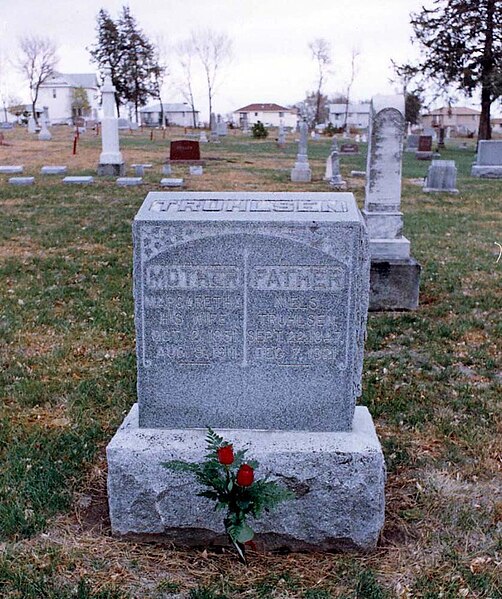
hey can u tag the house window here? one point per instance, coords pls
(53, 93)
(256, 114)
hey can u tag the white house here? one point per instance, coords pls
(57, 94)
(174, 114)
(270, 115)
(357, 115)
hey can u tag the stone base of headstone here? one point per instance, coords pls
(391, 248)
(111, 170)
(338, 183)
(394, 284)
(301, 174)
(338, 479)
(487, 172)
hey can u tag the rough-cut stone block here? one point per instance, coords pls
(111, 170)
(10, 169)
(391, 249)
(168, 182)
(78, 180)
(129, 181)
(54, 170)
(338, 479)
(394, 284)
(250, 309)
(22, 180)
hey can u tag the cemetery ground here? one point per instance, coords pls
(431, 381)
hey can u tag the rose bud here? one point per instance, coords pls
(245, 476)
(226, 455)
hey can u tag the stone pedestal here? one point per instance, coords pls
(338, 479)
(301, 172)
(394, 284)
(111, 162)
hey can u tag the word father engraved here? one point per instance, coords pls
(248, 206)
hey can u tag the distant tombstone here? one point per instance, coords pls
(395, 275)
(430, 131)
(442, 176)
(139, 169)
(32, 125)
(54, 170)
(45, 134)
(171, 182)
(6, 125)
(184, 150)
(123, 123)
(221, 127)
(21, 180)
(203, 138)
(196, 170)
(214, 128)
(489, 160)
(245, 123)
(281, 138)
(8, 169)
(111, 162)
(301, 172)
(364, 138)
(336, 180)
(347, 149)
(167, 169)
(424, 151)
(412, 143)
(129, 181)
(78, 180)
(357, 138)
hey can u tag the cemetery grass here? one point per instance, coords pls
(431, 380)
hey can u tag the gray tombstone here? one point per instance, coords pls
(196, 170)
(412, 143)
(335, 179)
(441, 176)
(167, 169)
(281, 138)
(54, 170)
(250, 319)
(382, 209)
(83, 180)
(11, 169)
(203, 138)
(214, 129)
(21, 180)
(45, 134)
(32, 126)
(489, 160)
(129, 181)
(171, 182)
(301, 171)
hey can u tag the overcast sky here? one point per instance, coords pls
(271, 59)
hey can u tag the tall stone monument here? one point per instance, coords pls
(301, 171)
(281, 138)
(110, 160)
(45, 134)
(335, 179)
(214, 129)
(395, 276)
(252, 320)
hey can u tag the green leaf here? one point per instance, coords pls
(245, 533)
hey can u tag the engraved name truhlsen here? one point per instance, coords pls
(223, 206)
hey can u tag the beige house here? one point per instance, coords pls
(459, 119)
(271, 115)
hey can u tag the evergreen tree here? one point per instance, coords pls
(462, 45)
(124, 48)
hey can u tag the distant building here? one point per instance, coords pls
(174, 114)
(459, 119)
(496, 126)
(357, 115)
(57, 93)
(270, 115)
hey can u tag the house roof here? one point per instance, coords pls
(86, 80)
(264, 108)
(167, 108)
(445, 111)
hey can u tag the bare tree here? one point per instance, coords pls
(321, 53)
(214, 50)
(37, 61)
(354, 55)
(185, 51)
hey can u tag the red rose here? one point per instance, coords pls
(245, 476)
(226, 455)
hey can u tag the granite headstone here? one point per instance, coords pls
(184, 150)
(489, 160)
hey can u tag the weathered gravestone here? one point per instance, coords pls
(7, 169)
(395, 276)
(424, 151)
(349, 148)
(412, 143)
(54, 170)
(441, 176)
(301, 171)
(489, 160)
(110, 160)
(251, 319)
(184, 150)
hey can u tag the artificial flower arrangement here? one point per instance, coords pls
(229, 480)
